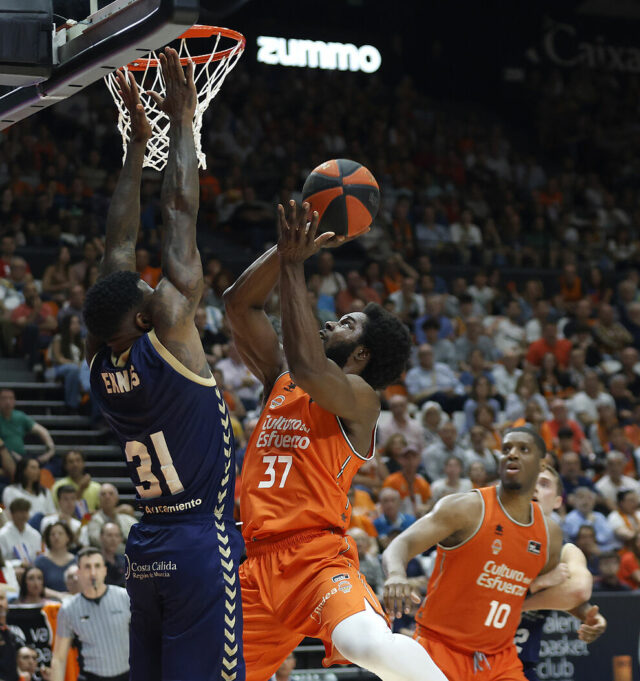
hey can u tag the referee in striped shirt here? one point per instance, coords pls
(99, 617)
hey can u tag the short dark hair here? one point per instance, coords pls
(19, 504)
(65, 489)
(65, 456)
(608, 555)
(542, 447)
(389, 345)
(565, 432)
(46, 535)
(108, 302)
(431, 323)
(622, 494)
(88, 551)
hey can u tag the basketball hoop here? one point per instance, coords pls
(210, 70)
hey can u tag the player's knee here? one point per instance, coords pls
(362, 638)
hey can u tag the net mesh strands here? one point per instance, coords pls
(210, 70)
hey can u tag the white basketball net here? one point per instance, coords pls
(208, 78)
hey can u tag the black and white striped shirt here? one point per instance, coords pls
(102, 626)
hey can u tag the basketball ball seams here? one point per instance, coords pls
(345, 194)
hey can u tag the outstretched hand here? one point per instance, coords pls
(181, 97)
(130, 95)
(594, 625)
(298, 228)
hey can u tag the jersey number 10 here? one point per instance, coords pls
(138, 449)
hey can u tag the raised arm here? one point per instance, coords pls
(123, 217)
(176, 299)
(346, 395)
(453, 520)
(253, 334)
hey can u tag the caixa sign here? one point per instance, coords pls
(316, 54)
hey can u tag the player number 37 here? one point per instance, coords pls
(270, 471)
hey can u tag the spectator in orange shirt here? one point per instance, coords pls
(551, 428)
(34, 323)
(629, 572)
(560, 348)
(570, 284)
(414, 490)
(148, 273)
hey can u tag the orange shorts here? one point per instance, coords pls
(302, 585)
(457, 665)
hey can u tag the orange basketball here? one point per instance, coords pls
(345, 194)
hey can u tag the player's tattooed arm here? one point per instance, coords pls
(123, 217)
(453, 520)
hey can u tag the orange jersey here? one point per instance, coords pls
(475, 594)
(420, 491)
(298, 467)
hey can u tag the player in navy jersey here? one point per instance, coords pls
(566, 588)
(150, 378)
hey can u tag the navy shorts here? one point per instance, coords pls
(530, 672)
(186, 612)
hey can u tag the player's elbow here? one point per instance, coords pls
(580, 589)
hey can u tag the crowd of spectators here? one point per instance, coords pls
(518, 277)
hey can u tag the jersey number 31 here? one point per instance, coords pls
(150, 485)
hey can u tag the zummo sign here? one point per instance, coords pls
(316, 54)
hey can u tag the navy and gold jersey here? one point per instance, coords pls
(173, 427)
(528, 637)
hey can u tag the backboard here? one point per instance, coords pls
(105, 40)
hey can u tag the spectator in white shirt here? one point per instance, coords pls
(409, 304)
(466, 236)
(533, 328)
(584, 404)
(67, 497)
(625, 520)
(330, 282)
(435, 456)
(239, 379)
(615, 481)
(18, 540)
(107, 513)
(452, 483)
(398, 420)
(508, 332)
(506, 373)
(27, 486)
(481, 292)
(480, 452)
(432, 418)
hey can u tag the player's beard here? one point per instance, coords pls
(512, 484)
(340, 352)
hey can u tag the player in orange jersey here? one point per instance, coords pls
(492, 543)
(316, 429)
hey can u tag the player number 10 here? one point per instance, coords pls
(287, 460)
(498, 615)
